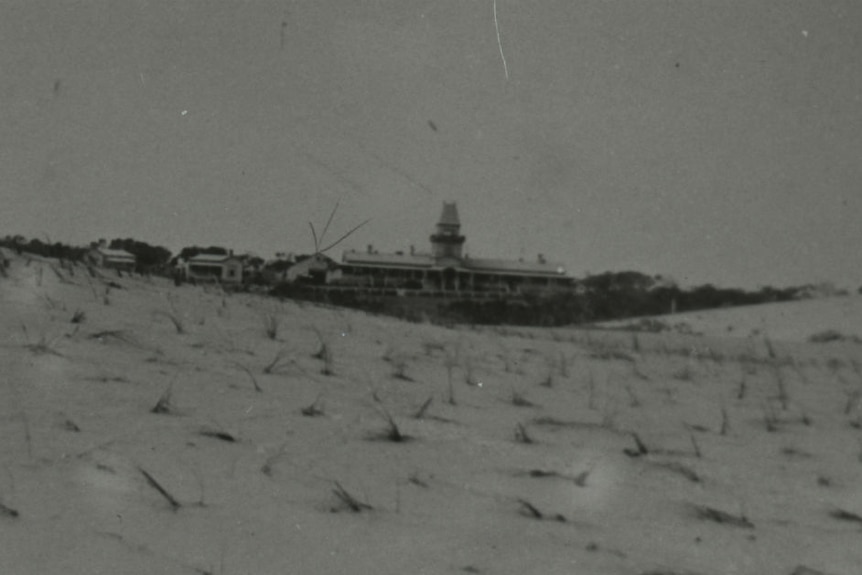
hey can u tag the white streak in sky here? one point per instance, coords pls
(499, 42)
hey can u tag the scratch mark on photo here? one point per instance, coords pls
(500, 42)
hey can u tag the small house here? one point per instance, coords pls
(316, 269)
(104, 257)
(222, 268)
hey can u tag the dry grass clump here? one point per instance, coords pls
(324, 354)
(831, 335)
(804, 570)
(771, 419)
(717, 516)
(518, 400)
(521, 435)
(218, 434)
(725, 421)
(420, 413)
(314, 409)
(392, 432)
(268, 466)
(782, 395)
(843, 515)
(451, 362)
(470, 373)
(640, 447)
(634, 400)
(175, 318)
(684, 373)
(529, 510)
(6, 511)
(348, 501)
(610, 353)
(399, 366)
(71, 426)
(163, 405)
(151, 481)
(42, 346)
(271, 323)
(278, 362)
(695, 446)
(251, 376)
(742, 389)
(679, 469)
(548, 421)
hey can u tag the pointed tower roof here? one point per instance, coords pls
(449, 217)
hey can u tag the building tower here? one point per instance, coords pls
(447, 242)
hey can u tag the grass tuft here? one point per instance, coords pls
(842, 515)
(521, 435)
(349, 501)
(640, 447)
(324, 354)
(393, 432)
(277, 362)
(271, 323)
(518, 400)
(151, 481)
(530, 510)
(6, 511)
(716, 515)
(219, 434)
(315, 409)
(420, 413)
(251, 376)
(163, 405)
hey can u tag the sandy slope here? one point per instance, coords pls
(77, 430)
(787, 321)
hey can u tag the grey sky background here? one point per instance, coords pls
(712, 141)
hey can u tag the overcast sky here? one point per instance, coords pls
(714, 141)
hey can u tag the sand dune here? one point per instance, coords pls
(541, 451)
(786, 321)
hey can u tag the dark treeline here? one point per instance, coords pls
(615, 295)
(149, 258)
(609, 296)
(47, 249)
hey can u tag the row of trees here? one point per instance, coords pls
(46, 249)
(150, 258)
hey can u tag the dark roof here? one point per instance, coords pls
(513, 267)
(387, 260)
(449, 217)
(423, 261)
(116, 254)
(211, 258)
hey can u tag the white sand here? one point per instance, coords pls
(77, 431)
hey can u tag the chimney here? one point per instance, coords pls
(412, 250)
(541, 258)
(370, 249)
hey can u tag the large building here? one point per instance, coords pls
(447, 270)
